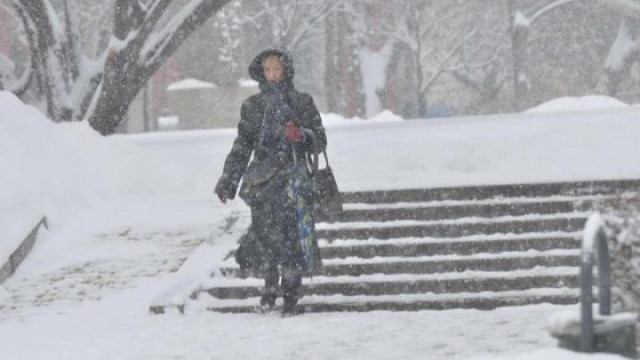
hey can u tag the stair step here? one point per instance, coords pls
(477, 247)
(494, 191)
(459, 209)
(468, 281)
(452, 228)
(440, 264)
(439, 246)
(352, 267)
(408, 302)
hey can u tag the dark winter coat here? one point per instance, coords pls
(261, 137)
(304, 113)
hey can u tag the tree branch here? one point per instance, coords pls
(548, 8)
(441, 68)
(628, 8)
(21, 85)
(177, 29)
(315, 19)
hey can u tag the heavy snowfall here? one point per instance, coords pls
(132, 219)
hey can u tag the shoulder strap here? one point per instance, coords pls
(263, 124)
(315, 161)
(295, 101)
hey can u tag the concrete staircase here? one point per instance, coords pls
(468, 247)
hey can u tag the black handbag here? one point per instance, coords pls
(249, 253)
(259, 180)
(327, 199)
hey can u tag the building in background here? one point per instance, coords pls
(202, 105)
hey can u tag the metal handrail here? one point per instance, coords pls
(594, 238)
(16, 258)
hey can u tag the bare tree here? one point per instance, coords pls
(625, 49)
(343, 76)
(623, 52)
(521, 21)
(290, 22)
(434, 34)
(228, 24)
(630, 8)
(99, 88)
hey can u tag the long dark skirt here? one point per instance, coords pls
(275, 226)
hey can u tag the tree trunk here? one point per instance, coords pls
(624, 51)
(331, 80)
(116, 92)
(48, 57)
(100, 91)
(519, 38)
(519, 57)
(421, 95)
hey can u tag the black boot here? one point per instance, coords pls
(271, 288)
(267, 302)
(292, 289)
(290, 307)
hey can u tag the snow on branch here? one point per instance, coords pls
(99, 88)
(622, 50)
(442, 65)
(152, 15)
(630, 8)
(162, 43)
(549, 7)
(311, 21)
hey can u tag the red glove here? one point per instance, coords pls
(294, 133)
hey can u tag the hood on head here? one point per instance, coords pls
(255, 69)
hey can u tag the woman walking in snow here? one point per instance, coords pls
(278, 127)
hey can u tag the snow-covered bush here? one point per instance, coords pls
(622, 226)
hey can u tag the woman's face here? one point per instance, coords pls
(272, 67)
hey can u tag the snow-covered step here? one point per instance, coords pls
(578, 188)
(382, 284)
(404, 302)
(573, 221)
(445, 263)
(472, 247)
(579, 200)
(412, 246)
(449, 263)
(437, 210)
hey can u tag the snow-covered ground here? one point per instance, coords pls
(133, 220)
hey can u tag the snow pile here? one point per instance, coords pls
(187, 84)
(620, 221)
(248, 83)
(552, 354)
(569, 322)
(332, 120)
(584, 103)
(168, 123)
(68, 170)
(22, 159)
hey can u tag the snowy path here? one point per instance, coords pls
(92, 276)
(454, 334)
(111, 296)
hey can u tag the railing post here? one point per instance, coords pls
(594, 239)
(604, 273)
(586, 302)
(606, 333)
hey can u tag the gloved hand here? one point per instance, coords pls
(225, 189)
(294, 133)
